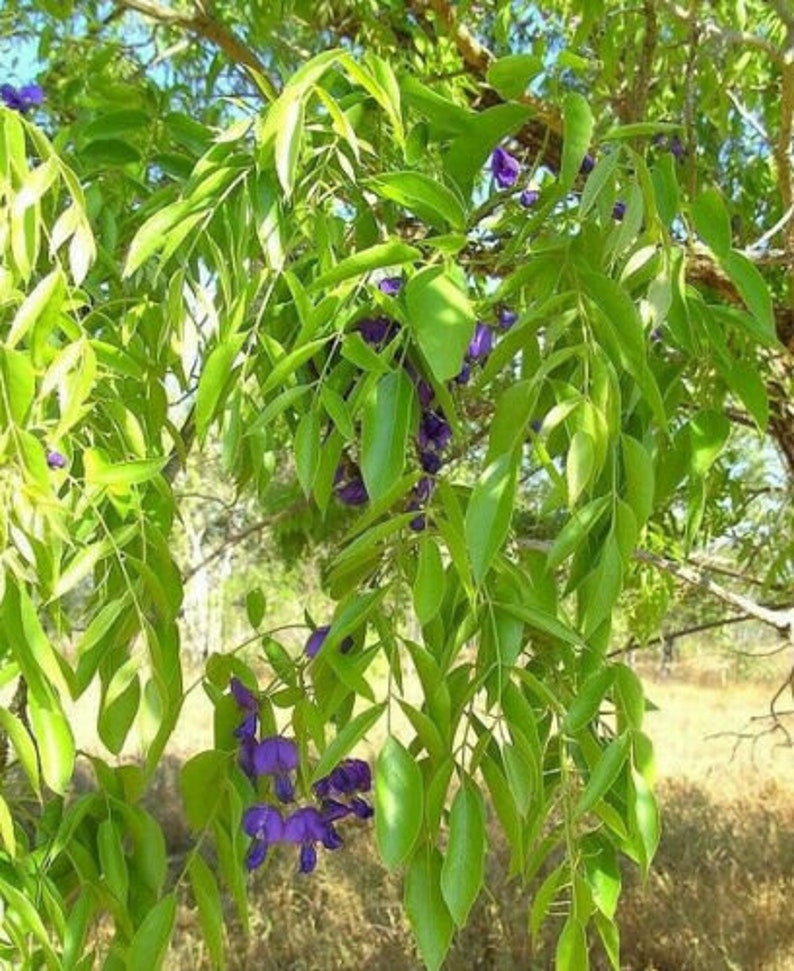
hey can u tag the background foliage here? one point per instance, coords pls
(195, 229)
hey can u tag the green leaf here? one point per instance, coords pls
(464, 862)
(489, 513)
(149, 946)
(576, 530)
(754, 290)
(337, 408)
(210, 907)
(588, 701)
(646, 816)
(708, 432)
(640, 479)
(7, 833)
(745, 382)
(579, 465)
(23, 746)
(112, 860)
(288, 138)
(598, 179)
(307, 449)
(290, 363)
(441, 318)
(344, 742)
(43, 303)
(603, 875)
(389, 412)
(115, 123)
(428, 590)
(55, 743)
(424, 904)
(571, 953)
(19, 378)
(399, 803)
(202, 781)
(510, 75)
(604, 774)
(255, 606)
(432, 201)
(713, 222)
(380, 255)
(577, 134)
(100, 472)
(215, 381)
(109, 152)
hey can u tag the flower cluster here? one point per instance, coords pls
(21, 99)
(337, 795)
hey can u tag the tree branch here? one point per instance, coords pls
(204, 25)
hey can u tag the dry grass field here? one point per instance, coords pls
(719, 897)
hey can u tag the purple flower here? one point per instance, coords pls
(504, 168)
(529, 197)
(246, 700)
(376, 330)
(425, 393)
(464, 375)
(22, 100)
(55, 460)
(431, 462)
(349, 488)
(677, 147)
(277, 756)
(245, 758)
(391, 285)
(588, 164)
(536, 424)
(481, 343)
(307, 827)
(418, 523)
(317, 639)
(434, 432)
(265, 825)
(350, 776)
(423, 489)
(619, 210)
(507, 318)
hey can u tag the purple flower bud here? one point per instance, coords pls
(481, 343)
(316, 640)
(244, 697)
(361, 808)
(619, 210)
(423, 489)
(504, 168)
(351, 492)
(588, 164)
(246, 756)
(419, 523)
(431, 462)
(376, 330)
(464, 375)
(391, 285)
(536, 424)
(434, 432)
(507, 318)
(246, 728)
(528, 198)
(677, 147)
(55, 460)
(425, 393)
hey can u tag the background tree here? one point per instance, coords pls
(496, 304)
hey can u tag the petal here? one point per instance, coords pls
(265, 757)
(247, 727)
(316, 640)
(246, 757)
(308, 858)
(287, 753)
(256, 855)
(285, 791)
(244, 697)
(332, 810)
(331, 839)
(361, 808)
(262, 820)
(322, 787)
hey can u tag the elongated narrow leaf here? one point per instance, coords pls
(350, 735)
(489, 513)
(577, 133)
(442, 319)
(428, 198)
(604, 774)
(388, 415)
(382, 254)
(427, 912)
(150, 944)
(464, 862)
(210, 907)
(399, 801)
